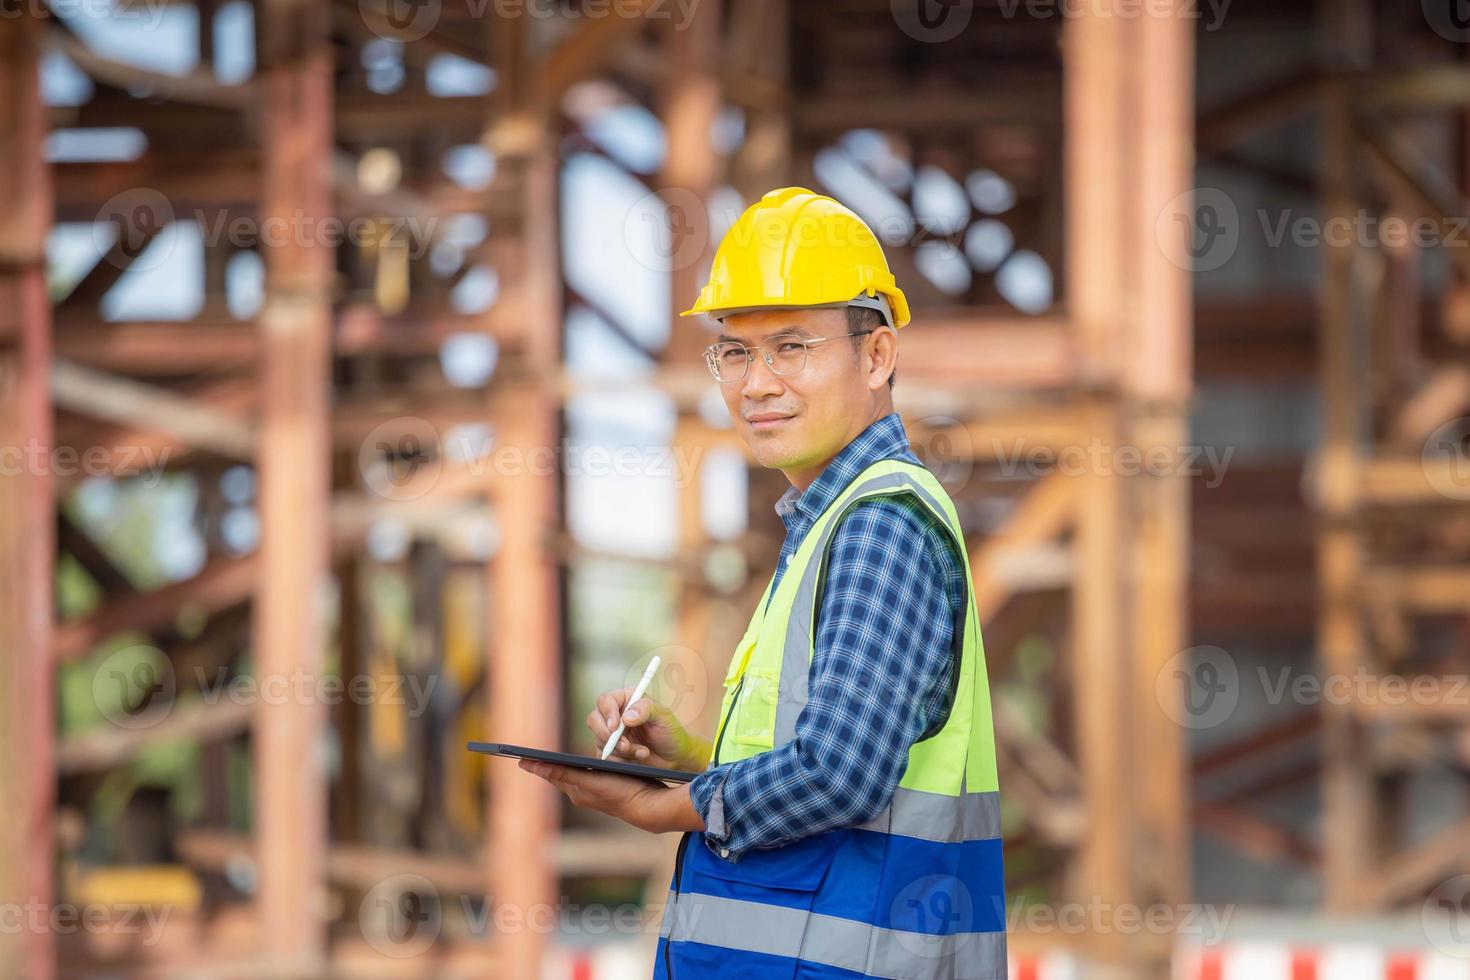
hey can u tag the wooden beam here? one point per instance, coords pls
(1417, 870)
(575, 853)
(72, 540)
(158, 347)
(1044, 512)
(1401, 480)
(992, 351)
(951, 110)
(1421, 88)
(1442, 397)
(1259, 110)
(1253, 835)
(222, 583)
(131, 452)
(196, 178)
(1429, 192)
(27, 520)
(109, 746)
(134, 404)
(590, 47)
(111, 267)
(1424, 589)
(197, 87)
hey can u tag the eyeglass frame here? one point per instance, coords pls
(768, 357)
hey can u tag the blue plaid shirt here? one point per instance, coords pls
(880, 670)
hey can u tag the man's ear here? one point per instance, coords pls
(884, 357)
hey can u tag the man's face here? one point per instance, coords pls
(798, 421)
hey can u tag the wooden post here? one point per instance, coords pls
(1130, 118)
(27, 520)
(1156, 390)
(691, 101)
(295, 486)
(1093, 82)
(1094, 165)
(524, 634)
(1347, 787)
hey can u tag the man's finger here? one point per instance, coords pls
(639, 711)
(608, 706)
(594, 722)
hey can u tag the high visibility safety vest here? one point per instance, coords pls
(916, 892)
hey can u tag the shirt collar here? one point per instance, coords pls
(884, 439)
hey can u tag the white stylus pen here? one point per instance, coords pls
(637, 693)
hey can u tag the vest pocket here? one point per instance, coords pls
(748, 918)
(753, 717)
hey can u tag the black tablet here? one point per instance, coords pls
(583, 761)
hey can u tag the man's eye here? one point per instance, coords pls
(732, 354)
(790, 346)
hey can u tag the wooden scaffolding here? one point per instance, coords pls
(330, 390)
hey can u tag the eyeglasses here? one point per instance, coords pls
(785, 354)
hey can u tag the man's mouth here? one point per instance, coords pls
(764, 421)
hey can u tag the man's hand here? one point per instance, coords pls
(644, 804)
(653, 736)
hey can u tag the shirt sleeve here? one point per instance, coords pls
(883, 653)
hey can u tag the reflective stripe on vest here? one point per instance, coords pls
(847, 944)
(883, 898)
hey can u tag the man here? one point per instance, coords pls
(846, 820)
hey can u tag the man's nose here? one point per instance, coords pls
(760, 380)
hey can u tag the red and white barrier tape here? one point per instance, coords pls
(1334, 961)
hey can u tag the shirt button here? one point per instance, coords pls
(787, 559)
(724, 852)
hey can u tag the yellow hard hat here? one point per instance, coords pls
(796, 248)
